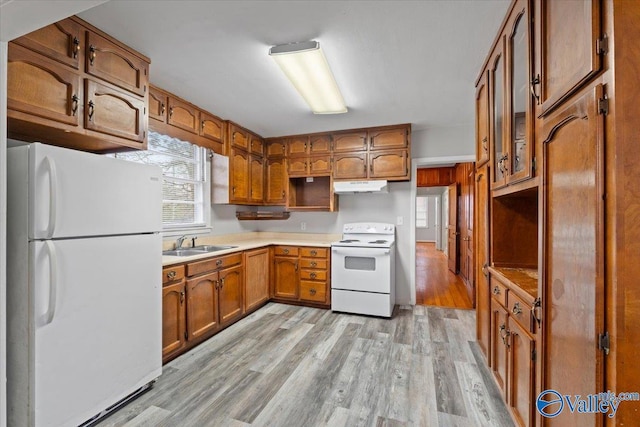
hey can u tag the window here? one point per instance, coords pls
(421, 212)
(183, 184)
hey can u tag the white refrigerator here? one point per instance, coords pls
(84, 260)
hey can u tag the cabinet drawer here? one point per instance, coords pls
(172, 274)
(313, 274)
(213, 264)
(520, 311)
(286, 251)
(313, 291)
(320, 264)
(313, 252)
(499, 292)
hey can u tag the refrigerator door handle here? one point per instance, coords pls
(53, 196)
(53, 281)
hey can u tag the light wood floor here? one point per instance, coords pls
(435, 284)
(298, 366)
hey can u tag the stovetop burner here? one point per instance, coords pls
(378, 242)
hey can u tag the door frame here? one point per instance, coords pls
(415, 164)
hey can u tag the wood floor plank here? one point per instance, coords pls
(304, 367)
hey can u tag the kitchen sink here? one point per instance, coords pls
(212, 248)
(198, 250)
(184, 252)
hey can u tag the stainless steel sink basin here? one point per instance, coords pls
(184, 252)
(213, 248)
(198, 250)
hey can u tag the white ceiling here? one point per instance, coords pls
(395, 61)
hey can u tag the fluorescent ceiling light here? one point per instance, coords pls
(306, 67)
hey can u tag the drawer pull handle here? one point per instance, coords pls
(219, 262)
(312, 291)
(181, 297)
(504, 335)
(171, 275)
(91, 110)
(314, 253)
(92, 54)
(312, 275)
(285, 251)
(76, 47)
(313, 263)
(516, 308)
(162, 109)
(496, 290)
(74, 102)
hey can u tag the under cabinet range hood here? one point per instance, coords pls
(353, 187)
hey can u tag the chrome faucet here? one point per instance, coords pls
(179, 242)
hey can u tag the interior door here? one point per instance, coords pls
(452, 247)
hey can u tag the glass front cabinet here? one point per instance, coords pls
(511, 123)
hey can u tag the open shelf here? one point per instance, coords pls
(262, 215)
(312, 194)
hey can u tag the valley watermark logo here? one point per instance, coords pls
(551, 403)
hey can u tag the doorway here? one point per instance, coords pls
(442, 215)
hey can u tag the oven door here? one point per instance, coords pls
(361, 269)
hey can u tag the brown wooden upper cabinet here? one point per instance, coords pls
(70, 70)
(110, 62)
(349, 141)
(158, 101)
(183, 115)
(211, 127)
(42, 87)
(239, 174)
(350, 166)
(319, 144)
(384, 139)
(61, 41)
(298, 146)
(256, 145)
(564, 67)
(113, 112)
(389, 164)
(276, 148)
(482, 120)
(276, 181)
(511, 102)
(238, 137)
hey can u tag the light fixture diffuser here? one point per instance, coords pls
(306, 67)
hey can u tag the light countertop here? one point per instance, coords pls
(247, 241)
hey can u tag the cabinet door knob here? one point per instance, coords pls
(516, 308)
(504, 334)
(170, 112)
(181, 297)
(171, 275)
(162, 109)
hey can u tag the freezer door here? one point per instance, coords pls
(73, 193)
(97, 323)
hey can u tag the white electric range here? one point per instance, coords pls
(363, 269)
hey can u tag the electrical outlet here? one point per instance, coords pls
(400, 220)
(303, 226)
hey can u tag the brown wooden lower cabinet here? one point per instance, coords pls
(211, 298)
(301, 274)
(513, 350)
(203, 297)
(256, 289)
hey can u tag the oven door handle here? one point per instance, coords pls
(363, 252)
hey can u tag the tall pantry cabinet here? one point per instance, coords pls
(558, 206)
